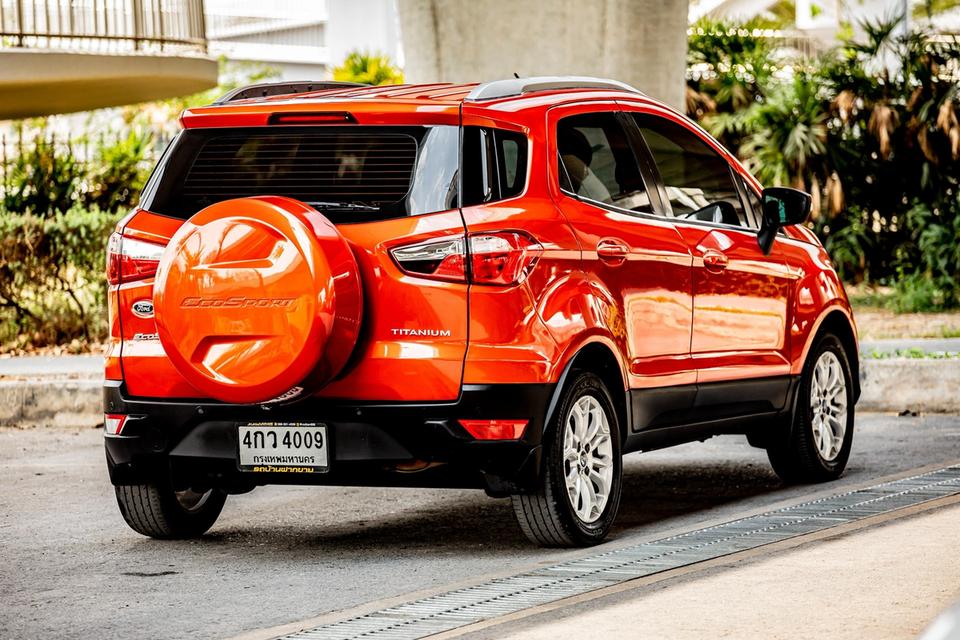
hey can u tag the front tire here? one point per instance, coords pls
(578, 493)
(157, 510)
(815, 447)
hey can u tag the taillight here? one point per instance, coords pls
(502, 257)
(131, 259)
(440, 259)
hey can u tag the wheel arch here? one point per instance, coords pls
(839, 323)
(598, 358)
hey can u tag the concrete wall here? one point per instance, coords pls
(641, 42)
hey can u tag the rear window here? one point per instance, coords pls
(352, 174)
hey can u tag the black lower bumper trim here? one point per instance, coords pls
(403, 444)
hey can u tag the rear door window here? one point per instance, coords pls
(596, 162)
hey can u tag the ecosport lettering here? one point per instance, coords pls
(239, 302)
(424, 333)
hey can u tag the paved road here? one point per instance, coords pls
(71, 568)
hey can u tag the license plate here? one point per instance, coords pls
(289, 447)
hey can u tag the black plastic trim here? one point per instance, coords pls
(387, 444)
(668, 416)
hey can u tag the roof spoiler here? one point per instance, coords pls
(521, 86)
(267, 89)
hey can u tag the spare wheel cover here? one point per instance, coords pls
(254, 295)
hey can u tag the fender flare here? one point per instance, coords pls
(573, 353)
(853, 354)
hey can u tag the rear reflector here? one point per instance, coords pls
(130, 259)
(113, 423)
(495, 429)
(503, 258)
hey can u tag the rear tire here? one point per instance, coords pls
(815, 445)
(579, 488)
(158, 511)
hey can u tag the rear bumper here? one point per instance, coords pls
(404, 444)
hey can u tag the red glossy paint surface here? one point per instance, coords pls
(674, 302)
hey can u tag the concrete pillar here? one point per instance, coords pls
(640, 42)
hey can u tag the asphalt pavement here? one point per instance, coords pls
(71, 568)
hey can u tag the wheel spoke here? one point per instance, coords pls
(587, 458)
(591, 502)
(828, 404)
(599, 440)
(826, 440)
(601, 483)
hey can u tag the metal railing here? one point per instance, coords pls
(104, 26)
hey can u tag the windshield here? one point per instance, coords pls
(352, 174)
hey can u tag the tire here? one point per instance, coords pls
(549, 516)
(157, 511)
(797, 453)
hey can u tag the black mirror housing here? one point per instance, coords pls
(782, 207)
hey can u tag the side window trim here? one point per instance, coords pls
(748, 209)
(648, 168)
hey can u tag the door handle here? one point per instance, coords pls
(612, 251)
(714, 261)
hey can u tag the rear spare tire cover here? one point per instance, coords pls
(255, 295)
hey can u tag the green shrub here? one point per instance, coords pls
(52, 288)
(917, 292)
(43, 179)
(368, 68)
(121, 168)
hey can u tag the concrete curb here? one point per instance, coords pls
(914, 384)
(58, 402)
(890, 384)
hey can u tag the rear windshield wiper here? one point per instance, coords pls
(349, 206)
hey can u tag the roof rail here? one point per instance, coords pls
(521, 86)
(266, 89)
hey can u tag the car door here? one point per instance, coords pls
(630, 249)
(741, 298)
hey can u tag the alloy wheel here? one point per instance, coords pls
(587, 458)
(828, 402)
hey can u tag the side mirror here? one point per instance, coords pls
(782, 207)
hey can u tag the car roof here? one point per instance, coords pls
(428, 103)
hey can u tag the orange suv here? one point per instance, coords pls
(504, 286)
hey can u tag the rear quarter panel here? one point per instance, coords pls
(530, 333)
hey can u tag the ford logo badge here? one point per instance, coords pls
(143, 308)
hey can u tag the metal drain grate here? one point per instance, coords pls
(499, 597)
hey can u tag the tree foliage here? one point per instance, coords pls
(368, 68)
(869, 128)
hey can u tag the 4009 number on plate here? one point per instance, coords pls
(269, 447)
